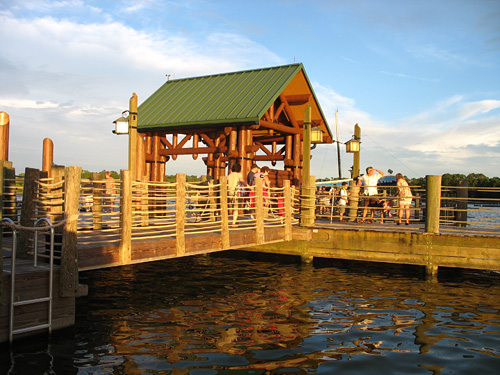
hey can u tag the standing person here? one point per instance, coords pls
(234, 180)
(370, 180)
(405, 198)
(110, 191)
(344, 199)
(253, 170)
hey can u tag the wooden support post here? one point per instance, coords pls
(141, 157)
(212, 203)
(308, 199)
(4, 166)
(69, 254)
(125, 250)
(31, 176)
(353, 200)
(56, 212)
(132, 137)
(47, 156)
(180, 214)
(356, 156)
(224, 214)
(433, 204)
(288, 202)
(462, 195)
(259, 211)
(4, 136)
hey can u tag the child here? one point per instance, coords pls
(343, 199)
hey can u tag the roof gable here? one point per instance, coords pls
(225, 99)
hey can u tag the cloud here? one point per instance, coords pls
(68, 81)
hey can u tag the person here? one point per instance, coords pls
(405, 198)
(235, 180)
(344, 199)
(370, 180)
(110, 191)
(250, 176)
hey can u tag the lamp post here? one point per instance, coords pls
(307, 210)
(354, 146)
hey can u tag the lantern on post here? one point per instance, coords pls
(353, 145)
(121, 125)
(316, 135)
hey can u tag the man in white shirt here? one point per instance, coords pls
(370, 181)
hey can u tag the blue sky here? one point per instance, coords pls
(422, 78)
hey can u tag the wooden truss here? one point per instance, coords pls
(277, 137)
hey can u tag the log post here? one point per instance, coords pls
(4, 136)
(259, 211)
(31, 176)
(97, 191)
(433, 204)
(125, 256)
(288, 202)
(132, 137)
(47, 156)
(69, 253)
(224, 214)
(180, 214)
(353, 200)
(307, 202)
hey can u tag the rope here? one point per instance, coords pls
(19, 227)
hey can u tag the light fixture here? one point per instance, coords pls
(316, 135)
(353, 145)
(121, 124)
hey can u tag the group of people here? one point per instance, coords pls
(238, 187)
(370, 198)
(373, 199)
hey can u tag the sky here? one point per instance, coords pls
(421, 78)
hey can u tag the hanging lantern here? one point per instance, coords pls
(352, 145)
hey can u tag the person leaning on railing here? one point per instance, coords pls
(405, 198)
(370, 180)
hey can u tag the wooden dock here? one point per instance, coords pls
(150, 222)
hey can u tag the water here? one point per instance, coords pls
(240, 313)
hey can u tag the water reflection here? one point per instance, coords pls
(240, 313)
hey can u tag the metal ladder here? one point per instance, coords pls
(49, 298)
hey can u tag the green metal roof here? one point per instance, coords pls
(230, 98)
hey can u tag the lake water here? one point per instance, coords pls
(242, 313)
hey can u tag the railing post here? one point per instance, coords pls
(259, 212)
(288, 209)
(224, 214)
(125, 256)
(31, 176)
(462, 195)
(69, 254)
(180, 214)
(433, 204)
(97, 189)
